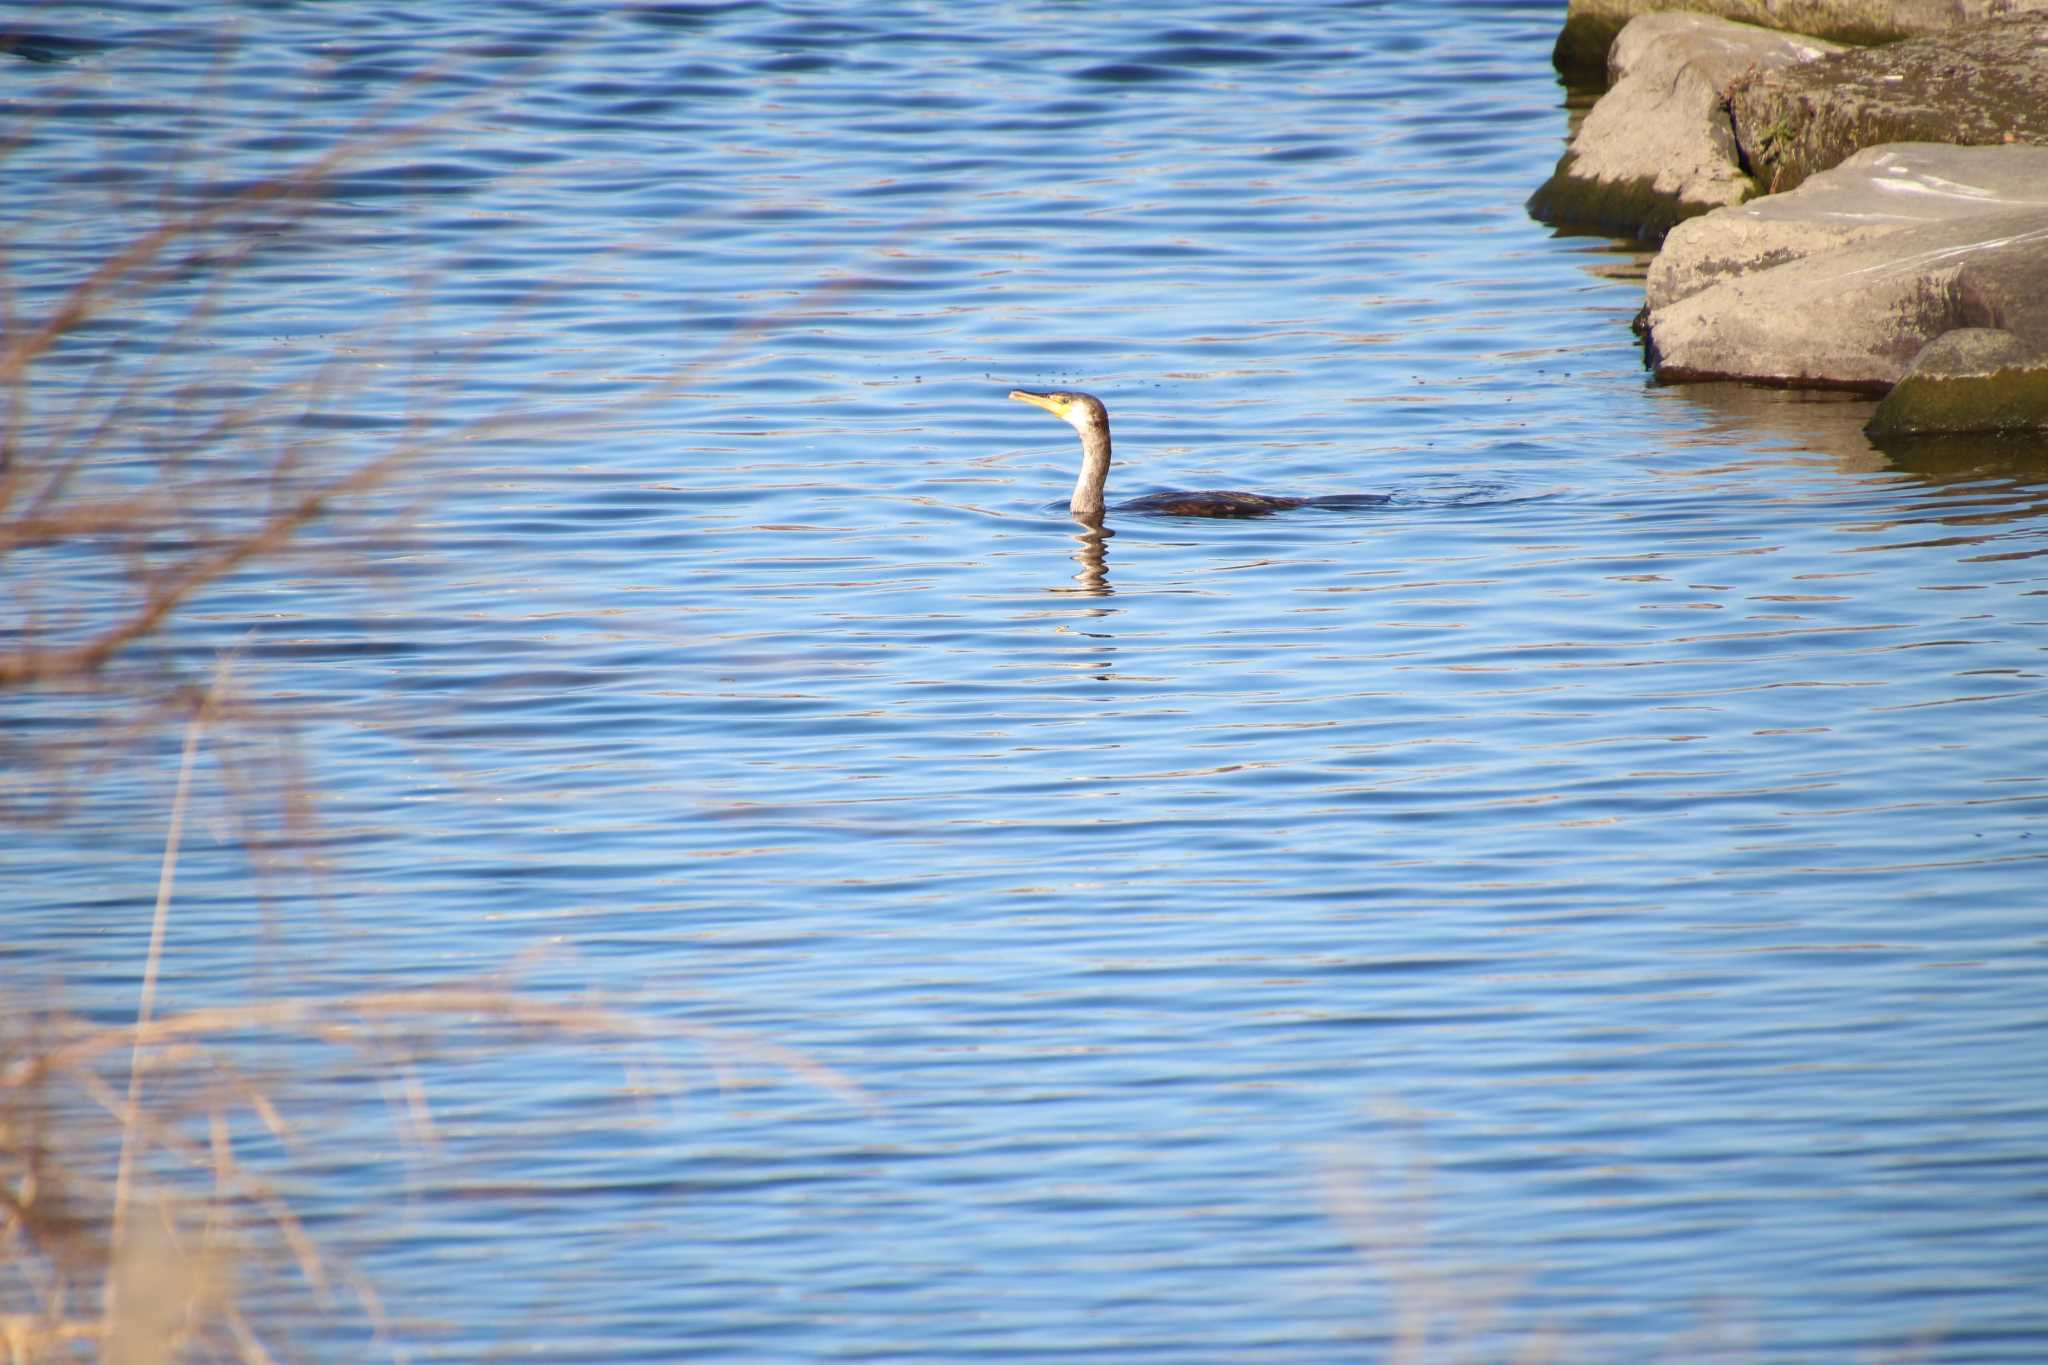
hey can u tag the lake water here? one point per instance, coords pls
(1592, 903)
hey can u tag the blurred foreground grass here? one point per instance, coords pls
(148, 1186)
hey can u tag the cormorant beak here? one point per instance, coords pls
(1041, 400)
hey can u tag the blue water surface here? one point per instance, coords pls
(1591, 903)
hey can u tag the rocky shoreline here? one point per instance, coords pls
(1832, 215)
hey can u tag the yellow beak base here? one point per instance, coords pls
(1041, 400)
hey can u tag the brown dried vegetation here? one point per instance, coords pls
(134, 1224)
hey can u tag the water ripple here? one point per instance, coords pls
(1634, 818)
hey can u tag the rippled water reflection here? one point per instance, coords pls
(1635, 820)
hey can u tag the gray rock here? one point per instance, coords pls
(1969, 380)
(1590, 26)
(1658, 147)
(1858, 316)
(1877, 191)
(1986, 83)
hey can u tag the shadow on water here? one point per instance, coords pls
(1975, 458)
(1824, 423)
(1832, 425)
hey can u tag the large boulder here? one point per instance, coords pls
(1590, 26)
(1878, 191)
(1658, 147)
(1858, 316)
(1970, 380)
(1986, 83)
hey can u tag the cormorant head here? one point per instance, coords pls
(1081, 411)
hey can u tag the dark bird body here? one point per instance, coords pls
(1086, 415)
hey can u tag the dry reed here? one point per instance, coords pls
(144, 1272)
(133, 1222)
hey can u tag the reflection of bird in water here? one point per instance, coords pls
(1085, 414)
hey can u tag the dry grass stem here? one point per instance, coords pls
(167, 1252)
(131, 1209)
(1442, 1312)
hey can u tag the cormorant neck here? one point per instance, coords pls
(1087, 503)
